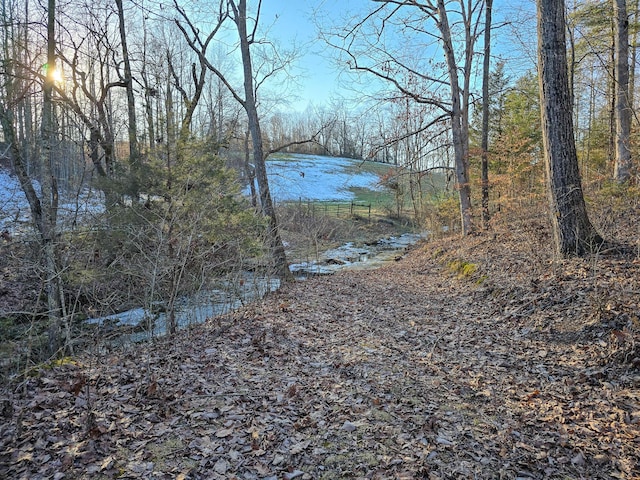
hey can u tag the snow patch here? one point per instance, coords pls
(15, 214)
(314, 177)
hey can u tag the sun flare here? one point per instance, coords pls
(57, 76)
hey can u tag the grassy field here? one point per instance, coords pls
(376, 200)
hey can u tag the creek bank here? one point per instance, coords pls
(143, 323)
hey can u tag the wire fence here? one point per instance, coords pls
(337, 209)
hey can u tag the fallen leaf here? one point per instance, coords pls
(221, 466)
(294, 474)
(225, 432)
(578, 459)
(107, 463)
(299, 447)
(348, 426)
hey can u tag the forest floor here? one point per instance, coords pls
(483, 357)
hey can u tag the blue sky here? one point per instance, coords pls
(294, 22)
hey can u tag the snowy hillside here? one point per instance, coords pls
(306, 177)
(15, 215)
(313, 177)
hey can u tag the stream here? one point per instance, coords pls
(352, 257)
(143, 324)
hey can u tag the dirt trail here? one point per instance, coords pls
(516, 368)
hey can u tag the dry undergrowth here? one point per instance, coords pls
(527, 367)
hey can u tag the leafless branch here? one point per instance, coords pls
(313, 139)
(200, 47)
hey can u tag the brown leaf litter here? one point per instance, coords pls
(525, 368)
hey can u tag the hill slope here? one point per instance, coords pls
(474, 358)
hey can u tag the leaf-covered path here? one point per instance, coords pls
(523, 369)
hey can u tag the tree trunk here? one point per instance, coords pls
(485, 114)
(170, 144)
(250, 170)
(150, 92)
(622, 163)
(460, 143)
(612, 91)
(572, 64)
(266, 202)
(634, 55)
(573, 232)
(134, 155)
(49, 199)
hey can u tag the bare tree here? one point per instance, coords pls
(486, 70)
(179, 251)
(622, 162)
(43, 206)
(365, 51)
(134, 152)
(237, 12)
(573, 232)
(250, 105)
(90, 82)
(49, 198)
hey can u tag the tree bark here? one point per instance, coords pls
(249, 104)
(134, 154)
(150, 93)
(49, 197)
(573, 232)
(634, 54)
(250, 171)
(622, 165)
(460, 141)
(485, 114)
